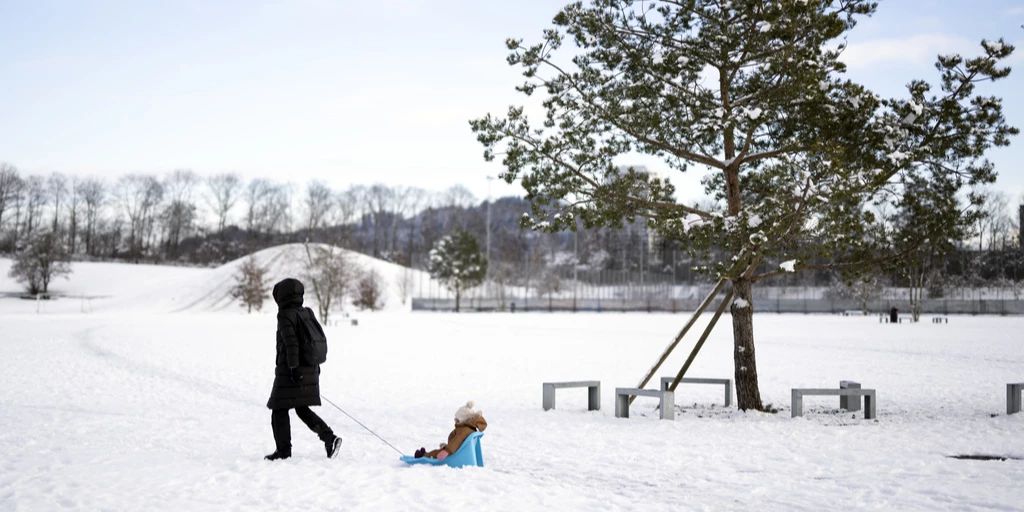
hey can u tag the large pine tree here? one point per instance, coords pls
(753, 93)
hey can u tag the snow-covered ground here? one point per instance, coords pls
(144, 408)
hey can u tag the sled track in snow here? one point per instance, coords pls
(198, 385)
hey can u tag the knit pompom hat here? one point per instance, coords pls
(465, 412)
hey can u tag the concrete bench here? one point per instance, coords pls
(1013, 396)
(884, 318)
(850, 403)
(667, 381)
(593, 393)
(868, 394)
(667, 406)
(940, 319)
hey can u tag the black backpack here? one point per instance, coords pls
(314, 344)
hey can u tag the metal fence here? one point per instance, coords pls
(654, 291)
(776, 305)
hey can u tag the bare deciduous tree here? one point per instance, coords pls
(57, 188)
(368, 292)
(458, 196)
(179, 214)
(179, 185)
(416, 200)
(138, 196)
(994, 223)
(331, 273)
(279, 209)
(347, 205)
(251, 284)
(10, 188)
(257, 193)
(377, 200)
(223, 191)
(34, 200)
(267, 206)
(456, 199)
(94, 195)
(318, 205)
(405, 284)
(42, 259)
(74, 205)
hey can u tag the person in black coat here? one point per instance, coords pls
(295, 386)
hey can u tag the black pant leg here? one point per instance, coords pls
(282, 430)
(314, 423)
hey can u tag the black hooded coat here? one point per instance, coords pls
(285, 393)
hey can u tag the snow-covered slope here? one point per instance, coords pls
(213, 291)
(122, 286)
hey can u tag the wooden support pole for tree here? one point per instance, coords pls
(693, 319)
(700, 342)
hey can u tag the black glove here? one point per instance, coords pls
(294, 375)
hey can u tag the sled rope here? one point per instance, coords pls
(361, 424)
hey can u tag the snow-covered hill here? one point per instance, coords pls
(123, 286)
(212, 292)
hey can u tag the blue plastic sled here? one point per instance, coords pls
(469, 454)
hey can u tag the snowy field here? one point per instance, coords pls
(145, 408)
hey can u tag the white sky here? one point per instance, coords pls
(346, 92)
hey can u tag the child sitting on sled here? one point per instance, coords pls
(467, 421)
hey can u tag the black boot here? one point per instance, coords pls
(282, 435)
(278, 455)
(333, 447)
(420, 453)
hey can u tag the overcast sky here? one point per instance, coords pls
(348, 92)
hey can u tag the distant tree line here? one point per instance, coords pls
(183, 218)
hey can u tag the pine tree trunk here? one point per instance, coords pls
(748, 395)
(457, 296)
